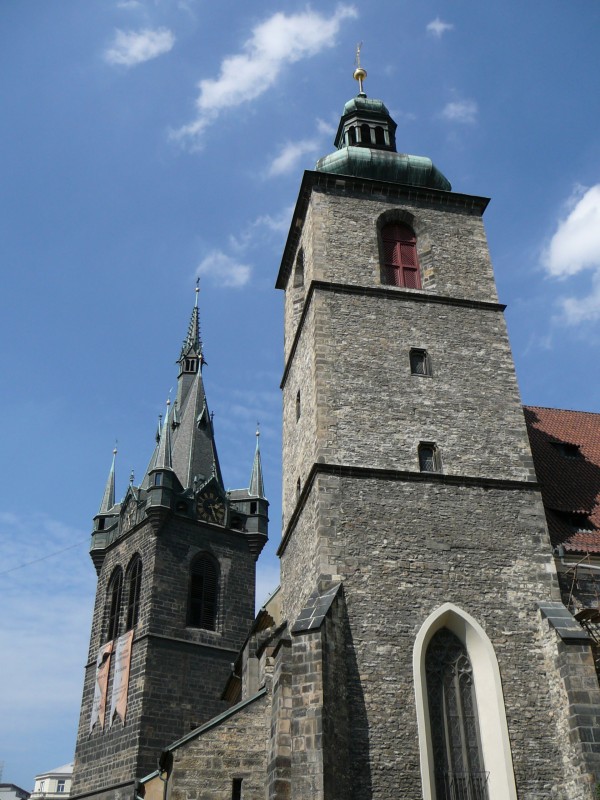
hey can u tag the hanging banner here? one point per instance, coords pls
(102, 668)
(122, 659)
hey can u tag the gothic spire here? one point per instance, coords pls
(257, 487)
(192, 344)
(163, 454)
(108, 498)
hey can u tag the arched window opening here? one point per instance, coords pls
(401, 265)
(204, 592)
(299, 269)
(458, 762)
(352, 135)
(379, 135)
(365, 134)
(134, 585)
(113, 597)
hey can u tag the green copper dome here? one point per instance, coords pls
(366, 148)
(364, 162)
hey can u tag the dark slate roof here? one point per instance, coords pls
(566, 454)
(314, 612)
(563, 622)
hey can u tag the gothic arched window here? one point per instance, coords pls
(458, 763)
(204, 593)
(134, 585)
(113, 604)
(400, 262)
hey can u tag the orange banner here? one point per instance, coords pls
(102, 669)
(118, 700)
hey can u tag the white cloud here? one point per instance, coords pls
(574, 247)
(264, 229)
(279, 40)
(437, 28)
(290, 155)
(134, 47)
(223, 270)
(464, 111)
(325, 128)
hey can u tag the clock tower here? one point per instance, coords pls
(175, 597)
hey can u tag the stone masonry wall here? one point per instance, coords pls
(236, 748)
(177, 673)
(403, 550)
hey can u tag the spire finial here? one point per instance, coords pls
(197, 290)
(360, 73)
(257, 487)
(131, 478)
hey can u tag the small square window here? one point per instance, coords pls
(429, 457)
(420, 363)
(60, 786)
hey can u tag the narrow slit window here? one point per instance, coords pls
(298, 407)
(236, 789)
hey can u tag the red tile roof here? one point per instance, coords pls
(570, 485)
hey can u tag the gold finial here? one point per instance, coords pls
(360, 73)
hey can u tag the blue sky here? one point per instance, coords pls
(145, 142)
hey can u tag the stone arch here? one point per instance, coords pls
(493, 727)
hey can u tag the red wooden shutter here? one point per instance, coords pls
(401, 265)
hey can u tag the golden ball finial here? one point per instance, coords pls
(360, 73)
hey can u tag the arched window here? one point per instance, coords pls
(379, 135)
(400, 262)
(113, 604)
(204, 593)
(365, 134)
(352, 135)
(458, 763)
(134, 585)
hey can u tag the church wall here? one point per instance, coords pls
(177, 673)
(205, 766)
(451, 240)
(378, 412)
(404, 550)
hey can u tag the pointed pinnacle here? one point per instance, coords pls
(108, 498)
(257, 487)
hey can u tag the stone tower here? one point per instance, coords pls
(409, 489)
(175, 597)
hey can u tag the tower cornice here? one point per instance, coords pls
(367, 187)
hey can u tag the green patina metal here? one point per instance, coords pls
(366, 148)
(365, 162)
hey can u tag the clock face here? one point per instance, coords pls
(210, 507)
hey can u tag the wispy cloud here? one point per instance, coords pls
(129, 48)
(46, 607)
(222, 270)
(267, 228)
(438, 28)
(462, 111)
(279, 40)
(574, 247)
(290, 155)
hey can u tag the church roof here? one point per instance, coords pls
(566, 454)
(364, 162)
